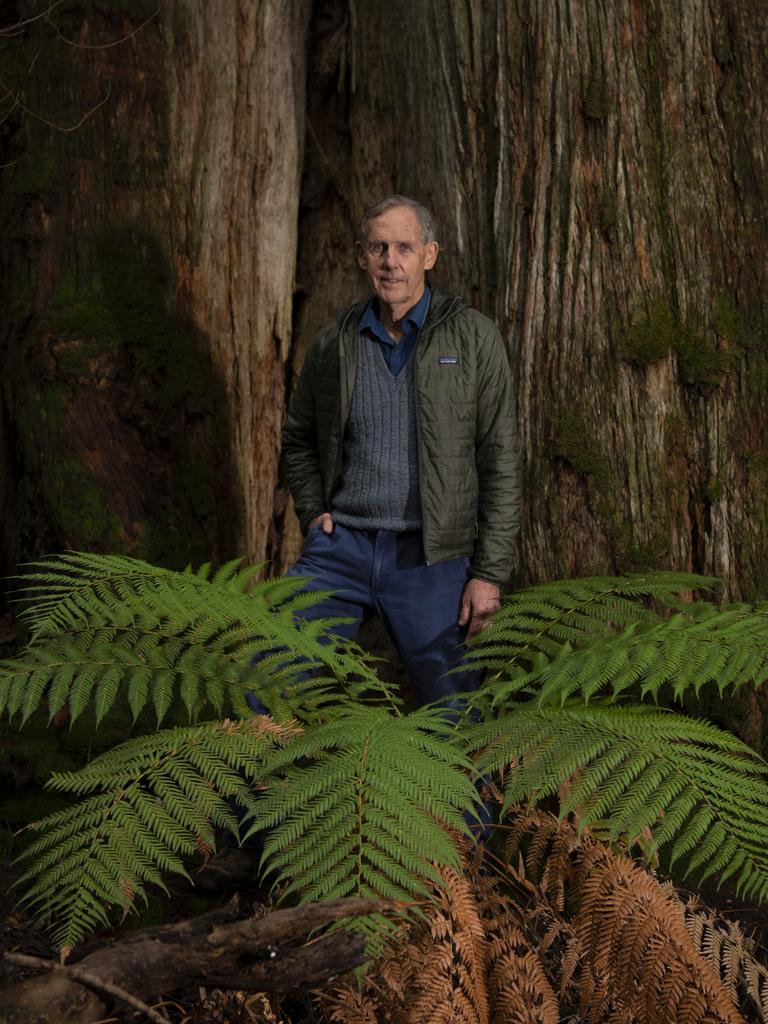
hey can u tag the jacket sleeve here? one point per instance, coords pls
(497, 461)
(301, 454)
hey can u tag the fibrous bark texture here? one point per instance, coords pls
(236, 129)
(598, 173)
(147, 263)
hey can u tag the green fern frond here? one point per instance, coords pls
(700, 646)
(540, 620)
(363, 804)
(153, 801)
(629, 769)
(107, 626)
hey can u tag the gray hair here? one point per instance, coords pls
(426, 220)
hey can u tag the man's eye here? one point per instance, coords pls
(378, 248)
(406, 247)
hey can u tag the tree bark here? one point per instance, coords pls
(599, 180)
(147, 262)
(599, 174)
(237, 127)
(596, 170)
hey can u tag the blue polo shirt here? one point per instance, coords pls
(396, 353)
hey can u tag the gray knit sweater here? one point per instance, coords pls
(380, 470)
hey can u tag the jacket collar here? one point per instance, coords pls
(441, 306)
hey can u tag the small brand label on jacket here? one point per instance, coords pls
(447, 360)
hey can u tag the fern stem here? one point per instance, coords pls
(551, 622)
(360, 810)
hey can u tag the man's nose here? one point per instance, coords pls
(389, 258)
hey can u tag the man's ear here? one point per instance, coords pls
(431, 257)
(360, 255)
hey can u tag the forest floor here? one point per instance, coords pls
(21, 933)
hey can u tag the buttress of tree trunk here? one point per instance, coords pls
(236, 128)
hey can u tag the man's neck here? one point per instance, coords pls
(392, 317)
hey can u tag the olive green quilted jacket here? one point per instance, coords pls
(469, 470)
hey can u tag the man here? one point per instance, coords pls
(400, 451)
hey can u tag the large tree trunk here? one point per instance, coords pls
(598, 172)
(147, 261)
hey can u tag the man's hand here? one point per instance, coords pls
(324, 520)
(479, 600)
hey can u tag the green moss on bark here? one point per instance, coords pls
(127, 300)
(607, 213)
(726, 320)
(574, 441)
(705, 354)
(597, 102)
(653, 553)
(79, 508)
(82, 311)
(651, 336)
(700, 359)
(714, 490)
(33, 176)
(116, 327)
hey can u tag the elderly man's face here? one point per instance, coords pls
(395, 259)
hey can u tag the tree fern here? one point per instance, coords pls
(690, 649)
(149, 803)
(364, 806)
(366, 799)
(109, 626)
(630, 769)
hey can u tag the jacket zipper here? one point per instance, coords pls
(419, 459)
(343, 398)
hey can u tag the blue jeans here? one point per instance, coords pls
(385, 573)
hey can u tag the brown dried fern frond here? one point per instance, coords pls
(468, 961)
(449, 986)
(377, 998)
(732, 954)
(519, 989)
(545, 845)
(638, 962)
(349, 1005)
(437, 974)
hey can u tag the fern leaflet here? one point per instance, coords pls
(630, 769)
(362, 805)
(537, 622)
(104, 626)
(691, 649)
(149, 803)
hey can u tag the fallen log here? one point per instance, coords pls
(258, 954)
